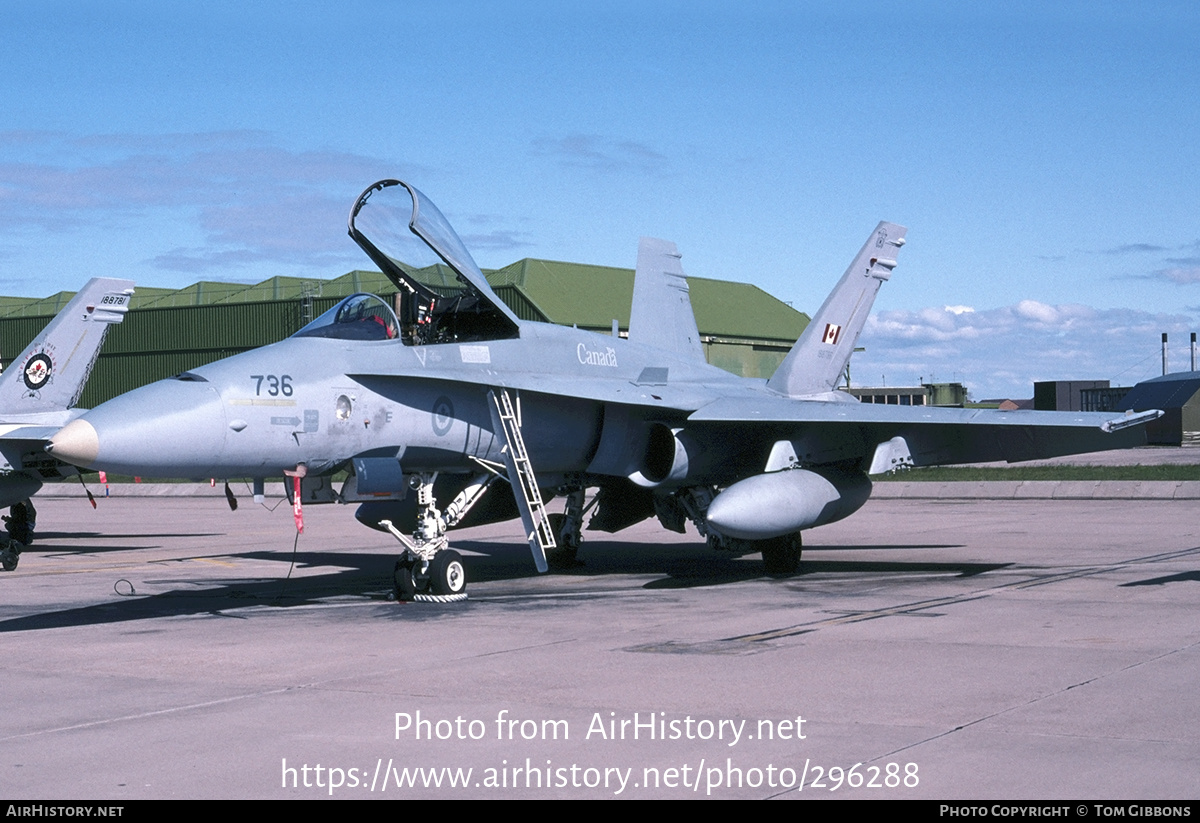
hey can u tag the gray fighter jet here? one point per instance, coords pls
(428, 403)
(38, 394)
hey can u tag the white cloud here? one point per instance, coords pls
(1037, 312)
(1000, 352)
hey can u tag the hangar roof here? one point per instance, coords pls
(1171, 391)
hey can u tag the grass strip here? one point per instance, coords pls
(1022, 473)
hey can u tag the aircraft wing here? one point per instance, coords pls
(32, 434)
(931, 436)
(26, 464)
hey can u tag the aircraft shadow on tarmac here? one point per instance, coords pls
(369, 574)
(1170, 578)
(42, 537)
(128, 599)
(46, 546)
(729, 570)
(51, 549)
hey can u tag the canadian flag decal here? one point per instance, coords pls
(832, 333)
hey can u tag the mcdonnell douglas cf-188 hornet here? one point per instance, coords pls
(429, 404)
(38, 394)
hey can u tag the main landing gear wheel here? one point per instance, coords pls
(781, 555)
(10, 555)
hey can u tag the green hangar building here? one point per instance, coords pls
(744, 330)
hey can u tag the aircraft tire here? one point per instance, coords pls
(10, 554)
(781, 555)
(402, 580)
(447, 574)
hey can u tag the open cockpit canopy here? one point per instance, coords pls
(402, 231)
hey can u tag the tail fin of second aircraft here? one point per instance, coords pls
(661, 314)
(50, 374)
(815, 364)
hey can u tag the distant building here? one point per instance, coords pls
(1063, 395)
(1103, 400)
(927, 394)
(1178, 395)
(1009, 404)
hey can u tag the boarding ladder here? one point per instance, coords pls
(507, 424)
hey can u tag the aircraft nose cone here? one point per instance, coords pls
(170, 428)
(76, 443)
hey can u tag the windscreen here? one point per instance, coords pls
(358, 317)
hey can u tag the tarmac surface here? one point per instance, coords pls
(952, 649)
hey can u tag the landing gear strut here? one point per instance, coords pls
(429, 569)
(567, 528)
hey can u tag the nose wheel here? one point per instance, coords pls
(404, 586)
(440, 580)
(446, 573)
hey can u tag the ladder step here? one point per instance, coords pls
(522, 477)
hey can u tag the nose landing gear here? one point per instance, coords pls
(429, 570)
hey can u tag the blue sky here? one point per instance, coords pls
(1043, 156)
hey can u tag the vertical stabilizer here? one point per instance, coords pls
(661, 315)
(815, 364)
(50, 374)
